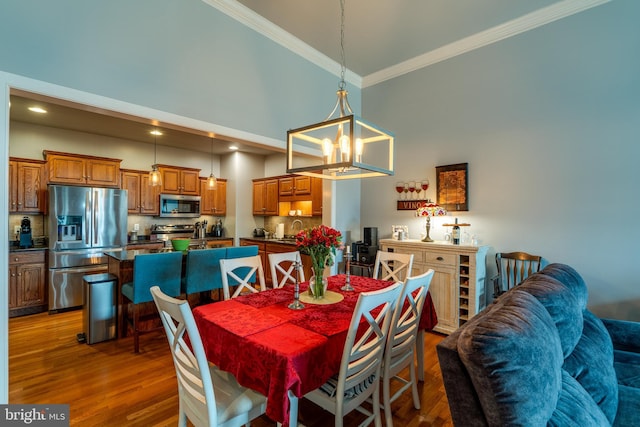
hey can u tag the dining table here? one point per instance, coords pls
(281, 352)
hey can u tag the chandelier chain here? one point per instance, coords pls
(343, 65)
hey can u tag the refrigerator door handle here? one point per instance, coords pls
(87, 213)
(95, 218)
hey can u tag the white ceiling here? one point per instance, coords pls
(383, 39)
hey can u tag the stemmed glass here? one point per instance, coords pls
(406, 190)
(418, 190)
(347, 283)
(424, 184)
(399, 189)
(296, 304)
(412, 188)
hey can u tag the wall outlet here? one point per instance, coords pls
(16, 229)
(136, 227)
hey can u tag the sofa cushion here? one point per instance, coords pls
(628, 407)
(571, 279)
(627, 365)
(514, 358)
(591, 364)
(562, 305)
(575, 407)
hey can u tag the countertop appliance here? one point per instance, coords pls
(217, 230)
(84, 223)
(26, 239)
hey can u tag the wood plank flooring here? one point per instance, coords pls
(106, 384)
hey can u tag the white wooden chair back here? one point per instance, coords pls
(360, 367)
(196, 386)
(401, 343)
(392, 266)
(280, 273)
(250, 268)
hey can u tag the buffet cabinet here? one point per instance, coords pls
(458, 285)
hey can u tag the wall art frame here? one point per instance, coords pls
(452, 187)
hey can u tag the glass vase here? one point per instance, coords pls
(318, 284)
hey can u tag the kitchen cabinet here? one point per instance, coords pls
(265, 196)
(316, 196)
(27, 188)
(266, 247)
(74, 169)
(142, 199)
(27, 282)
(294, 187)
(458, 284)
(219, 243)
(177, 180)
(213, 202)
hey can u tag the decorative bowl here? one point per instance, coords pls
(180, 244)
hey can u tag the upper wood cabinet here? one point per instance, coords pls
(213, 202)
(177, 180)
(27, 187)
(296, 187)
(265, 196)
(142, 198)
(73, 169)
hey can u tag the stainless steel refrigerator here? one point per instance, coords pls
(84, 223)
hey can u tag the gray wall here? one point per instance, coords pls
(549, 122)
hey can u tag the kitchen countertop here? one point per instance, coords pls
(14, 246)
(287, 241)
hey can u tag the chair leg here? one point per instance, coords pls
(136, 333)
(414, 386)
(420, 354)
(386, 400)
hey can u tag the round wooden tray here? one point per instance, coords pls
(330, 297)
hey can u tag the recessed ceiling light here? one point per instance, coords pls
(233, 147)
(37, 110)
(156, 132)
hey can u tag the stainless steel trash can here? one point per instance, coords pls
(99, 310)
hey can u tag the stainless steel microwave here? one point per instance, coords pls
(177, 206)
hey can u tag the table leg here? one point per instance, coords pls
(420, 354)
(293, 411)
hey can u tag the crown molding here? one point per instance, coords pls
(511, 28)
(530, 21)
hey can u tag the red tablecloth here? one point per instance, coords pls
(272, 349)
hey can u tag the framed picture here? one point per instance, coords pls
(396, 229)
(452, 187)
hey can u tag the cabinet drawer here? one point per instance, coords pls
(27, 257)
(439, 258)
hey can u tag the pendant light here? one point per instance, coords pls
(212, 182)
(343, 146)
(155, 178)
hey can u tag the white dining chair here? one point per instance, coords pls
(400, 349)
(359, 375)
(392, 266)
(242, 273)
(283, 269)
(208, 396)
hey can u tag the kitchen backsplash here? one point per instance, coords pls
(271, 222)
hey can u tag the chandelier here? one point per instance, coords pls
(343, 146)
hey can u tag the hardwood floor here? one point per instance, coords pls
(106, 384)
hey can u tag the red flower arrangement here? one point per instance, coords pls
(319, 243)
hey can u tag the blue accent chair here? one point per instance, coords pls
(202, 270)
(163, 270)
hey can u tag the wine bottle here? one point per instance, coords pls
(455, 233)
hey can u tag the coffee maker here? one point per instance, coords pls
(26, 239)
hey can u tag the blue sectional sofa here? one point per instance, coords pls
(537, 357)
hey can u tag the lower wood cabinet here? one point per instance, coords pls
(458, 284)
(27, 282)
